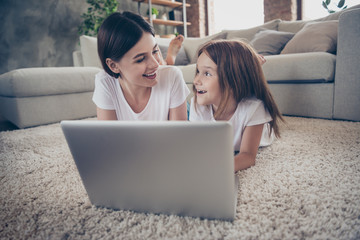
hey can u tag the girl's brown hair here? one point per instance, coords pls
(240, 76)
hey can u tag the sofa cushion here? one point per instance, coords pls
(188, 72)
(311, 67)
(249, 33)
(295, 26)
(291, 26)
(90, 56)
(192, 45)
(31, 82)
(314, 37)
(88, 46)
(77, 59)
(305, 67)
(270, 42)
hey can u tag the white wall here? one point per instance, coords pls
(238, 14)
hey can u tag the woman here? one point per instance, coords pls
(133, 85)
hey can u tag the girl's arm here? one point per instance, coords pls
(179, 113)
(249, 146)
(103, 114)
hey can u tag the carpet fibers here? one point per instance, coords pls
(306, 185)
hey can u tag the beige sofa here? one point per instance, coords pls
(36, 96)
(312, 84)
(318, 79)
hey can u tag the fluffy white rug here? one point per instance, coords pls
(306, 185)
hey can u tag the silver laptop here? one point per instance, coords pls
(171, 167)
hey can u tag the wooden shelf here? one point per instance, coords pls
(168, 22)
(167, 3)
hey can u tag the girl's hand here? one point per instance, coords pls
(249, 147)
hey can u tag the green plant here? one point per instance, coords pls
(340, 5)
(153, 11)
(95, 15)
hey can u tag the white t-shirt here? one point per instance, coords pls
(170, 92)
(249, 112)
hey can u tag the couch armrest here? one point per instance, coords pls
(77, 59)
(347, 73)
(35, 96)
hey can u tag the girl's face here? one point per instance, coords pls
(140, 64)
(206, 82)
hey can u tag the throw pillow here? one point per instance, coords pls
(270, 42)
(249, 33)
(89, 52)
(292, 26)
(181, 58)
(314, 37)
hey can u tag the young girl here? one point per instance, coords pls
(133, 86)
(229, 85)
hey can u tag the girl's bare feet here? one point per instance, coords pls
(173, 50)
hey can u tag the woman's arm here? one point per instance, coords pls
(179, 113)
(249, 146)
(103, 114)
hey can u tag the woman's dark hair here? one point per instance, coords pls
(118, 34)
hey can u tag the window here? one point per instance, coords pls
(312, 9)
(237, 14)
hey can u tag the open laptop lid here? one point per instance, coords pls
(172, 167)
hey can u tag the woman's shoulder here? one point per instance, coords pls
(169, 76)
(105, 80)
(103, 76)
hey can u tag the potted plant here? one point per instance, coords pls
(154, 12)
(340, 5)
(95, 15)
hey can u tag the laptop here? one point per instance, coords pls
(171, 167)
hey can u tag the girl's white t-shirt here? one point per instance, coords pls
(170, 92)
(249, 112)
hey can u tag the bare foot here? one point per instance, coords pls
(173, 50)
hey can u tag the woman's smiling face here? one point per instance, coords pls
(140, 64)
(206, 82)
